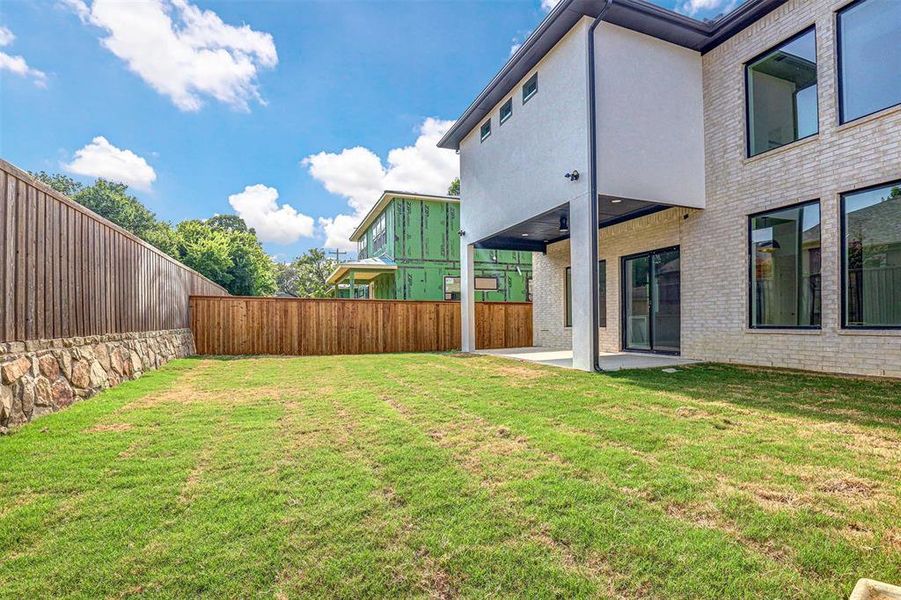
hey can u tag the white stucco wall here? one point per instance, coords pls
(517, 173)
(649, 102)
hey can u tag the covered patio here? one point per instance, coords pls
(608, 361)
(360, 272)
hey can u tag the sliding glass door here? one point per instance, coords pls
(651, 301)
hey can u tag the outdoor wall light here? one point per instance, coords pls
(461, 233)
(564, 224)
(573, 176)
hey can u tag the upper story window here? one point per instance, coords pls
(379, 233)
(785, 267)
(530, 88)
(871, 257)
(782, 94)
(506, 110)
(361, 248)
(869, 57)
(485, 131)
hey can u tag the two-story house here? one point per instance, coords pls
(727, 190)
(408, 249)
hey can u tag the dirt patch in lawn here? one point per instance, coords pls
(106, 427)
(520, 371)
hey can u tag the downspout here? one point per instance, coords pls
(593, 189)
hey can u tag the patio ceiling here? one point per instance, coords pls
(362, 270)
(536, 233)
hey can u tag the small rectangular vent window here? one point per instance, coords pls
(486, 130)
(506, 110)
(530, 88)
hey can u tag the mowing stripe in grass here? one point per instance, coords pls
(470, 535)
(659, 527)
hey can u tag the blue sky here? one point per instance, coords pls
(295, 114)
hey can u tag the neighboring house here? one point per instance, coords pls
(408, 249)
(735, 180)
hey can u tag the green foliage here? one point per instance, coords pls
(229, 256)
(454, 188)
(59, 182)
(306, 276)
(228, 223)
(221, 248)
(111, 200)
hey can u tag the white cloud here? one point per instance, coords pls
(277, 224)
(547, 6)
(693, 7)
(7, 37)
(17, 64)
(359, 175)
(181, 51)
(102, 159)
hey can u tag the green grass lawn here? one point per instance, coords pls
(444, 476)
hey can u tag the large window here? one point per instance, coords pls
(379, 233)
(602, 296)
(871, 261)
(785, 267)
(869, 46)
(782, 94)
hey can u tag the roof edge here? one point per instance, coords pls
(637, 15)
(383, 201)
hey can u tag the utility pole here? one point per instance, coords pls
(337, 252)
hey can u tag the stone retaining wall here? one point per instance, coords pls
(42, 376)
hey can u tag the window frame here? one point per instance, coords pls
(526, 98)
(843, 261)
(746, 66)
(451, 293)
(750, 259)
(509, 104)
(475, 283)
(380, 234)
(483, 134)
(839, 75)
(567, 292)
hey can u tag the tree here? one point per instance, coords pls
(253, 273)
(59, 182)
(454, 188)
(221, 248)
(228, 223)
(306, 275)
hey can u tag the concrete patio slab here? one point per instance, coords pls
(609, 361)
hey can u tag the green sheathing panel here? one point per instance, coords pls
(423, 241)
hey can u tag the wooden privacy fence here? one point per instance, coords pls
(67, 272)
(235, 325)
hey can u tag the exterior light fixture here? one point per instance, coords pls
(572, 176)
(615, 201)
(564, 224)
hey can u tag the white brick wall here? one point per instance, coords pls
(714, 241)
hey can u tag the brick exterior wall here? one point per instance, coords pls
(714, 241)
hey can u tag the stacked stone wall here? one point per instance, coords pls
(42, 376)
